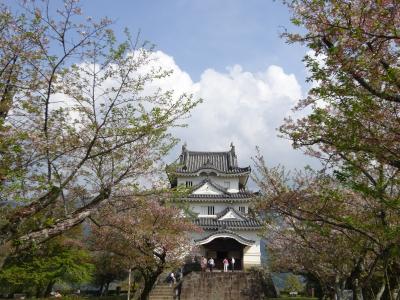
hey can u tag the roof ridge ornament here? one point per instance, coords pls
(224, 163)
(208, 163)
(232, 160)
(233, 148)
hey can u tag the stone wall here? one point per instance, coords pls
(225, 286)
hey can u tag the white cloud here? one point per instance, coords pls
(179, 81)
(240, 107)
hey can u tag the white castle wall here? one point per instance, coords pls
(201, 208)
(252, 254)
(233, 182)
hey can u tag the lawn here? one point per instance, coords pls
(293, 298)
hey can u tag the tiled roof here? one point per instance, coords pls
(241, 196)
(223, 162)
(214, 224)
(228, 232)
(224, 197)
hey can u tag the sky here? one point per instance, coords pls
(229, 53)
(202, 34)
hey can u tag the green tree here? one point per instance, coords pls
(36, 270)
(109, 267)
(293, 284)
(77, 123)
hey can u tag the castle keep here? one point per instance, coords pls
(219, 199)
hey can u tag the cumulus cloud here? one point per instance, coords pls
(240, 107)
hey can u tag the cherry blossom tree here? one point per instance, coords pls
(318, 226)
(77, 122)
(349, 120)
(146, 233)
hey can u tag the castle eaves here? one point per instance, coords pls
(215, 224)
(191, 162)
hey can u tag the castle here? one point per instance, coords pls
(219, 199)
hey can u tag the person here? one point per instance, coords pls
(57, 294)
(226, 264)
(211, 264)
(179, 275)
(233, 263)
(203, 264)
(172, 279)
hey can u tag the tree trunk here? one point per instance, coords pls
(324, 292)
(150, 276)
(149, 280)
(40, 291)
(355, 279)
(42, 235)
(339, 288)
(148, 285)
(396, 291)
(49, 288)
(381, 291)
(100, 292)
(357, 290)
(6, 249)
(392, 285)
(106, 289)
(76, 218)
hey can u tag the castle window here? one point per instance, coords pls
(210, 210)
(242, 209)
(189, 183)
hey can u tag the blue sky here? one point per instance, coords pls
(230, 54)
(203, 34)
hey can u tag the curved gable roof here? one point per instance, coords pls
(215, 224)
(221, 162)
(211, 183)
(224, 234)
(221, 214)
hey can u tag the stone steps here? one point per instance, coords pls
(162, 292)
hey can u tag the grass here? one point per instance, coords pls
(293, 298)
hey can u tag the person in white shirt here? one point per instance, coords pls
(211, 264)
(172, 279)
(233, 263)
